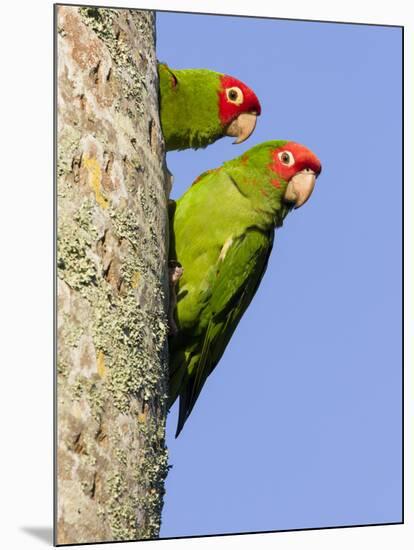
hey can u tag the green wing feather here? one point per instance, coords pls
(234, 284)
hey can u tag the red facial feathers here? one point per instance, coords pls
(244, 102)
(302, 158)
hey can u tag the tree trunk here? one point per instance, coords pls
(112, 367)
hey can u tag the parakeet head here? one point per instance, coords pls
(200, 106)
(276, 175)
(299, 167)
(238, 108)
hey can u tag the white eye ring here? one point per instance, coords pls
(234, 95)
(286, 158)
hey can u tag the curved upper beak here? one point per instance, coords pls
(300, 187)
(242, 126)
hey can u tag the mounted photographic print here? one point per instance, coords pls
(229, 274)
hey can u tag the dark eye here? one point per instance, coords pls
(234, 95)
(286, 158)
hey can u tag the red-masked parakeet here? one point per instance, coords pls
(222, 232)
(199, 106)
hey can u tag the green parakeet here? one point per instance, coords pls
(199, 106)
(222, 232)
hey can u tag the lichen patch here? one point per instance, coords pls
(95, 176)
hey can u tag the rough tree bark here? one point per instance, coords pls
(112, 285)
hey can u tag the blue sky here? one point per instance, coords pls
(300, 424)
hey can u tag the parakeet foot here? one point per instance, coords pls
(175, 271)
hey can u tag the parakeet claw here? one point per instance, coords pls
(175, 271)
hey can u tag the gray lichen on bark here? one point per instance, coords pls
(112, 286)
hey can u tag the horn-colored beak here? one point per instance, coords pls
(300, 187)
(242, 127)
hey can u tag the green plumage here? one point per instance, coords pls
(222, 233)
(189, 108)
